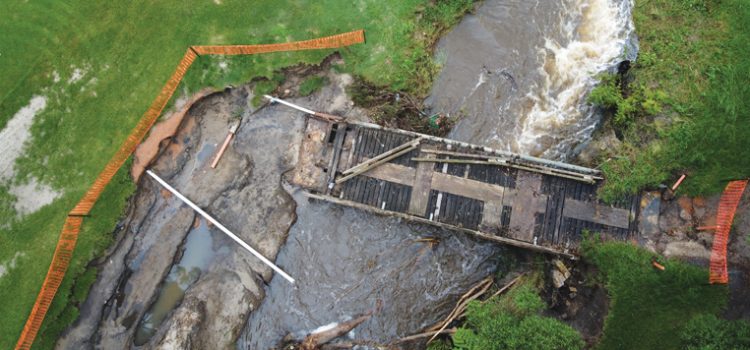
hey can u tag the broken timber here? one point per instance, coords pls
(518, 200)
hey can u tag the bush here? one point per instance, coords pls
(513, 322)
(639, 102)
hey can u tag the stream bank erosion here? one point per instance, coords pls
(243, 192)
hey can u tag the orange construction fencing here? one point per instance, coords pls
(69, 235)
(724, 217)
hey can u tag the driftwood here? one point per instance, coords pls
(463, 302)
(316, 340)
(508, 285)
(424, 335)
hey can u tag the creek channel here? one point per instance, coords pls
(517, 71)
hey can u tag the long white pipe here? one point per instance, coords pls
(299, 108)
(221, 227)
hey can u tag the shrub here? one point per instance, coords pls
(513, 322)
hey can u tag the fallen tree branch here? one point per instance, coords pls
(507, 285)
(423, 335)
(463, 303)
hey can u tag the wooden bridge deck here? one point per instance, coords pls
(517, 200)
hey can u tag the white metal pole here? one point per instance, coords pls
(221, 227)
(299, 108)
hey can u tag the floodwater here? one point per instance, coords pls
(346, 260)
(518, 72)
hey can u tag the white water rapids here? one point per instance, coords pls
(518, 73)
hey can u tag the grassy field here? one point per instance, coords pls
(122, 53)
(652, 304)
(692, 74)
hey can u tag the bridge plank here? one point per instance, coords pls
(594, 212)
(526, 201)
(420, 193)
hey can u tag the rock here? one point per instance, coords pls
(560, 273)
(650, 207)
(706, 238)
(699, 213)
(686, 208)
(600, 146)
(689, 249)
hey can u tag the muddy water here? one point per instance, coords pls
(346, 260)
(518, 72)
(198, 253)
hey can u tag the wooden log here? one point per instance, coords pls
(411, 144)
(369, 167)
(420, 193)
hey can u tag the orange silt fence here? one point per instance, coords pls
(724, 217)
(67, 242)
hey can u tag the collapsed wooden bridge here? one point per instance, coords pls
(518, 200)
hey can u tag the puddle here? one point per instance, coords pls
(204, 155)
(198, 254)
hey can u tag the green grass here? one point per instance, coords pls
(312, 84)
(649, 307)
(128, 50)
(694, 52)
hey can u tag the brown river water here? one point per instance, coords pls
(518, 72)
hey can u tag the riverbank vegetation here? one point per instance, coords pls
(100, 65)
(684, 107)
(514, 321)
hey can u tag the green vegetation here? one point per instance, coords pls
(710, 332)
(312, 84)
(513, 321)
(123, 52)
(640, 101)
(652, 304)
(687, 107)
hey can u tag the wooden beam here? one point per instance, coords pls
(420, 193)
(509, 162)
(411, 144)
(547, 171)
(338, 142)
(416, 219)
(370, 166)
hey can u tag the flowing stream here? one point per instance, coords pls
(518, 72)
(346, 261)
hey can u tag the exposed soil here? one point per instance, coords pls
(581, 302)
